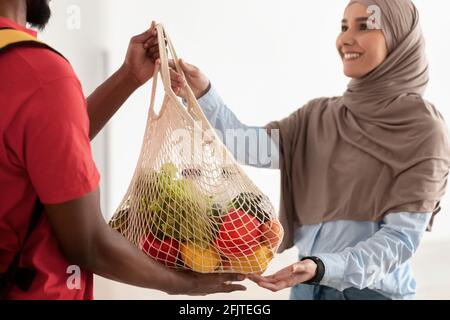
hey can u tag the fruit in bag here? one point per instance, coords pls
(189, 204)
(204, 259)
(256, 262)
(176, 208)
(165, 251)
(272, 232)
(250, 203)
(239, 234)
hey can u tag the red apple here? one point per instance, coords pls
(165, 252)
(239, 234)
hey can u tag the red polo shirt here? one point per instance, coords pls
(44, 152)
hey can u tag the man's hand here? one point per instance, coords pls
(196, 79)
(288, 277)
(195, 284)
(142, 55)
(138, 68)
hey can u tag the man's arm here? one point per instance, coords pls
(89, 242)
(104, 102)
(137, 69)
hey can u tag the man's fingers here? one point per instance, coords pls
(142, 38)
(153, 27)
(229, 277)
(152, 52)
(147, 35)
(232, 287)
(225, 277)
(151, 42)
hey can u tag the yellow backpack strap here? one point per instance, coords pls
(11, 38)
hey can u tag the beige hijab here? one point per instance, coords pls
(378, 149)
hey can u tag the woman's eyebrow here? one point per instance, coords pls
(359, 19)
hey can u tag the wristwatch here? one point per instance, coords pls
(320, 271)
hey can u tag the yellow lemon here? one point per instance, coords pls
(256, 262)
(198, 258)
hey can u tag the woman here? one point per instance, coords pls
(362, 174)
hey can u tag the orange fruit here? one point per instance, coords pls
(272, 233)
(200, 258)
(255, 262)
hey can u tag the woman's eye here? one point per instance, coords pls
(363, 27)
(344, 28)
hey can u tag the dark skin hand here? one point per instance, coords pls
(138, 67)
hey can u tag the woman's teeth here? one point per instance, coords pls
(351, 56)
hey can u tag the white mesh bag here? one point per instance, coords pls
(189, 204)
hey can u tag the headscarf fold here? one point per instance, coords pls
(378, 149)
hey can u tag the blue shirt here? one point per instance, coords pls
(359, 254)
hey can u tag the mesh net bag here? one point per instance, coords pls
(189, 204)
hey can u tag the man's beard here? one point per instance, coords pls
(38, 13)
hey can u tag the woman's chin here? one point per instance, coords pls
(356, 74)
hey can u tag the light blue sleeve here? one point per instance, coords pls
(249, 145)
(370, 261)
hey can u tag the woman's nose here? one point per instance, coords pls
(347, 39)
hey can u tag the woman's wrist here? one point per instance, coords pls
(203, 91)
(317, 271)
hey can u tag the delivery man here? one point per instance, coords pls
(50, 217)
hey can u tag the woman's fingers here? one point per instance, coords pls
(176, 77)
(280, 275)
(274, 286)
(256, 278)
(285, 278)
(177, 82)
(282, 283)
(188, 68)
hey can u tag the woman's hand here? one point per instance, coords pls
(196, 79)
(142, 56)
(288, 277)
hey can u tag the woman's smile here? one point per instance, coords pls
(351, 56)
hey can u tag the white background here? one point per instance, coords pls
(266, 58)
